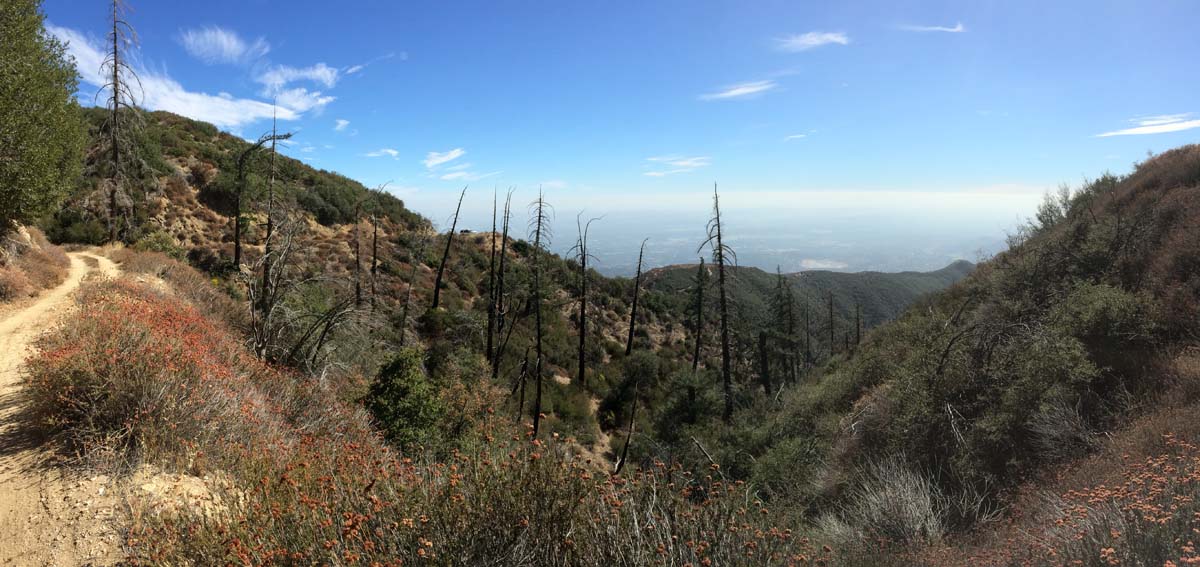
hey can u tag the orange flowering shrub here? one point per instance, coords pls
(1151, 518)
(142, 376)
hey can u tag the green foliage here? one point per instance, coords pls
(160, 241)
(40, 128)
(404, 401)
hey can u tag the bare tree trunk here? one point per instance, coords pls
(698, 329)
(637, 287)
(374, 250)
(357, 255)
(498, 355)
(581, 253)
(437, 283)
(720, 253)
(491, 308)
(539, 222)
(115, 125)
(629, 432)
(265, 289)
(524, 374)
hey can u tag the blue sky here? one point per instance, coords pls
(641, 106)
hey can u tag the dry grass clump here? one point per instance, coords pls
(30, 264)
(199, 290)
(145, 379)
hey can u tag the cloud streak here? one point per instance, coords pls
(384, 152)
(741, 90)
(811, 40)
(1160, 124)
(215, 44)
(340, 125)
(434, 159)
(957, 28)
(676, 164)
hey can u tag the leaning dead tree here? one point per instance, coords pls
(123, 118)
(437, 282)
(539, 225)
(243, 165)
(580, 251)
(722, 254)
(637, 288)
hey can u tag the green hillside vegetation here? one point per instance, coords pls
(185, 208)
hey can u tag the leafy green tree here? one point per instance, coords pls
(41, 129)
(404, 401)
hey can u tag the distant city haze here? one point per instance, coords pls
(845, 231)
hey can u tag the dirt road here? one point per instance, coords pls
(48, 515)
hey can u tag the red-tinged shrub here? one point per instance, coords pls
(142, 376)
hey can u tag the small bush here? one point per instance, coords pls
(404, 402)
(162, 242)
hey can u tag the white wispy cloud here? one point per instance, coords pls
(1159, 124)
(340, 124)
(466, 176)
(279, 76)
(384, 152)
(160, 92)
(957, 28)
(675, 164)
(742, 90)
(434, 159)
(794, 137)
(811, 40)
(359, 67)
(214, 44)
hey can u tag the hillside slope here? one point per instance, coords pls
(182, 204)
(1027, 363)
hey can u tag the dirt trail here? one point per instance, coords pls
(47, 515)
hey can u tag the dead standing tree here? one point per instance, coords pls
(491, 287)
(123, 117)
(539, 224)
(415, 263)
(721, 255)
(243, 165)
(700, 284)
(637, 287)
(582, 255)
(501, 308)
(437, 282)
